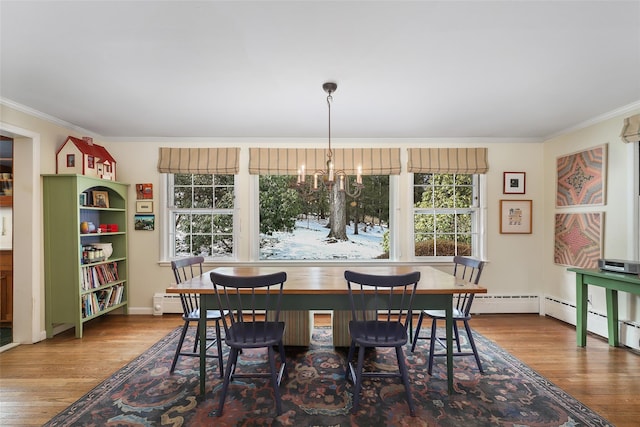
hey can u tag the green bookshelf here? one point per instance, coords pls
(78, 289)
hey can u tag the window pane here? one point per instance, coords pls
(296, 222)
(199, 227)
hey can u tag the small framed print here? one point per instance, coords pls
(515, 216)
(83, 199)
(144, 206)
(514, 182)
(144, 191)
(100, 199)
(144, 222)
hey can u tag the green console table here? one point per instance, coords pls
(612, 282)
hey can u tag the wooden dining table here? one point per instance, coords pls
(325, 288)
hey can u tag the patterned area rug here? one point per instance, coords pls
(143, 393)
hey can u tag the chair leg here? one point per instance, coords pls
(456, 335)
(405, 379)
(231, 363)
(352, 349)
(283, 361)
(274, 380)
(185, 328)
(432, 345)
(417, 333)
(473, 346)
(219, 342)
(358, 386)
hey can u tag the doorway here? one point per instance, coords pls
(6, 240)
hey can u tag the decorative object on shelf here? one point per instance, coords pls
(144, 222)
(144, 191)
(330, 175)
(581, 178)
(82, 156)
(105, 247)
(578, 239)
(100, 199)
(87, 227)
(513, 183)
(515, 216)
(144, 207)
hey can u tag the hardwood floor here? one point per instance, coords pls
(38, 381)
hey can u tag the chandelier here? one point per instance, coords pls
(330, 176)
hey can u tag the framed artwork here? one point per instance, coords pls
(513, 182)
(144, 206)
(515, 216)
(144, 222)
(581, 178)
(578, 239)
(144, 191)
(83, 199)
(100, 199)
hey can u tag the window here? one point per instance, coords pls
(296, 222)
(201, 209)
(446, 214)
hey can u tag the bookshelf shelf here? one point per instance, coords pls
(78, 291)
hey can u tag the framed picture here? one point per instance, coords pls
(515, 216)
(578, 239)
(144, 206)
(513, 182)
(144, 191)
(83, 199)
(581, 178)
(100, 199)
(144, 222)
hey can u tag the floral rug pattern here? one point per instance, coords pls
(144, 393)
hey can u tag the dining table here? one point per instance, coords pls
(325, 288)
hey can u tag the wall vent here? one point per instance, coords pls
(166, 303)
(487, 303)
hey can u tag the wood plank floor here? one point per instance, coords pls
(38, 381)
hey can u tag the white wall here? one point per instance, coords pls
(618, 214)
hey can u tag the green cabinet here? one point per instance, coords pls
(80, 211)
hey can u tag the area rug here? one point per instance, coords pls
(509, 393)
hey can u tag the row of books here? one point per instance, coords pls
(99, 275)
(100, 300)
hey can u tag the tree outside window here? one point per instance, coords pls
(299, 224)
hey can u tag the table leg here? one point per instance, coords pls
(612, 316)
(449, 334)
(202, 330)
(581, 310)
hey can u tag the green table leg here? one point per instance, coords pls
(581, 310)
(612, 316)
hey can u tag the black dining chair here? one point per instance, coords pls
(185, 269)
(468, 269)
(251, 300)
(380, 313)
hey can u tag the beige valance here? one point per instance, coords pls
(223, 161)
(631, 129)
(288, 161)
(448, 160)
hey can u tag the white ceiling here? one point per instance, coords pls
(404, 69)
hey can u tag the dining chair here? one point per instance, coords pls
(252, 301)
(184, 269)
(380, 313)
(468, 269)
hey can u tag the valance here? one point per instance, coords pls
(223, 161)
(448, 160)
(631, 129)
(287, 161)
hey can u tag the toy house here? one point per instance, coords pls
(82, 156)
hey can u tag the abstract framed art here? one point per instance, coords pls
(578, 239)
(515, 216)
(581, 178)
